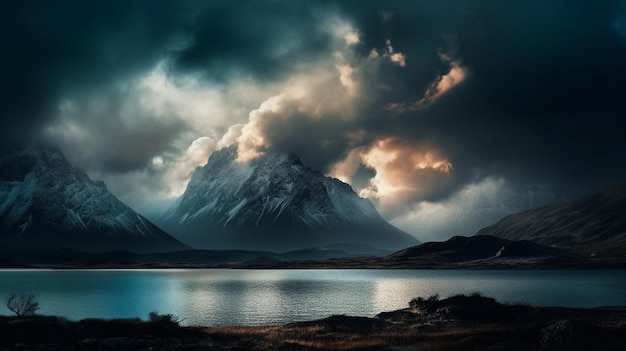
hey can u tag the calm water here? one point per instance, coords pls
(254, 297)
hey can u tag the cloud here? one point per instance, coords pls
(445, 82)
(140, 95)
(403, 173)
(231, 136)
(314, 107)
(395, 57)
(467, 211)
(346, 73)
(178, 172)
(267, 41)
(111, 133)
(252, 141)
(352, 38)
(50, 59)
(442, 84)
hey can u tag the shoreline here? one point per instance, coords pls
(455, 323)
(338, 263)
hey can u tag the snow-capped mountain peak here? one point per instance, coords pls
(46, 203)
(273, 202)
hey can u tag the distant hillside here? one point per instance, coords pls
(459, 252)
(594, 225)
(463, 249)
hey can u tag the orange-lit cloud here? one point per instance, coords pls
(437, 88)
(405, 172)
(447, 81)
(395, 57)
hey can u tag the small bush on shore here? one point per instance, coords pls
(22, 306)
(164, 320)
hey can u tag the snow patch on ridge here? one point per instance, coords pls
(75, 219)
(235, 210)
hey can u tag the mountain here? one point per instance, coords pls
(593, 225)
(481, 247)
(274, 202)
(46, 204)
(478, 252)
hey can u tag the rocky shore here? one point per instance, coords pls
(456, 323)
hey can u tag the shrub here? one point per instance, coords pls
(165, 320)
(416, 302)
(22, 306)
(433, 298)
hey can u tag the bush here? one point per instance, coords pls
(416, 302)
(165, 320)
(433, 298)
(420, 302)
(22, 306)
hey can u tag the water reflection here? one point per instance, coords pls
(223, 297)
(272, 299)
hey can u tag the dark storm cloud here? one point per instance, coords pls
(539, 103)
(266, 40)
(54, 48)
(536, 98)
(547, 89)
(544, 95)
(118, 134)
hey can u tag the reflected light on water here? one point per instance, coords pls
(257, 297)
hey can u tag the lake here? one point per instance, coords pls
(257, 297)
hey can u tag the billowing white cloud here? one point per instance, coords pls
(231, 136)
(318, 94)
(352, 38)
(252, 141)
(203, 106)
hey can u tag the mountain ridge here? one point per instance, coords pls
(593, 225)
(274, 202)
(46, 203)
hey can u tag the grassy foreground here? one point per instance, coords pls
(456, 323)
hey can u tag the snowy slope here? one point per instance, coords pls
(276, 203)
(46, 203)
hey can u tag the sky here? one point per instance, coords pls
(447, 115)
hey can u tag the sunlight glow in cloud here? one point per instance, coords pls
(437, 88)
(404, 172)
(395, 164)
(352, 38)
(447, 81)
(252, 141)
(395, 57)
